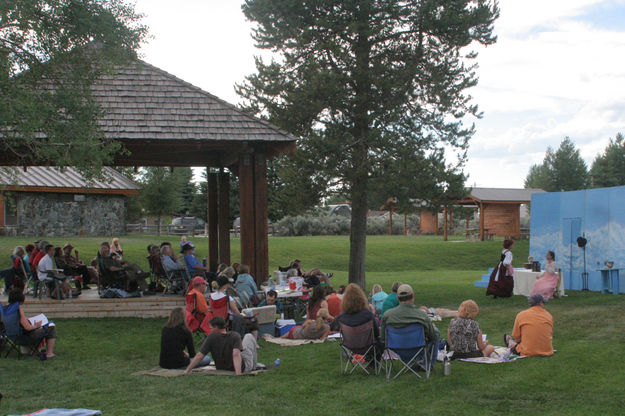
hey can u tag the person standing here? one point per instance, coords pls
(501, 281)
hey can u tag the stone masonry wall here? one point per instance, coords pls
(53, 215)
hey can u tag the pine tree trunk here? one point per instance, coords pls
(158, 230)
(358, 233)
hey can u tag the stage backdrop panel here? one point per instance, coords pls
(559, 218)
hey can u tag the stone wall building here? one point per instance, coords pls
(45, 201)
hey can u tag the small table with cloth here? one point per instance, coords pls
(524, 282)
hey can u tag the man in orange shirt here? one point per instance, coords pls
(199, 287)
(533, 330)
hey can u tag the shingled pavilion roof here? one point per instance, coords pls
(161, 118)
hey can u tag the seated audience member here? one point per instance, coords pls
(378, 296)
(40, 253)
(30, 248)
(175, 337)
(533, 330)
(406, 313)
(46, 273)
(272, 299)
(167, 261)
(21, 270)
(312, 276)
(341, 290)
(333, 301)
(237, 269)
(547, 282)
(315, 302)
(223, 283)
(199, 285)
(194, 266)
(391, 300)
(131, 274)
(227, 349)
(245, 282)
(184, 241)
(465, 335)
(311, 328)
(116, 249)
(34, 332)
(356, 312)
(72, 266)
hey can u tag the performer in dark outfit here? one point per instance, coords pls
(502, 278)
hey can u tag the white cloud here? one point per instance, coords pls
(551, 74)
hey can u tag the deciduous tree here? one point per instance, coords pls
(51, 53)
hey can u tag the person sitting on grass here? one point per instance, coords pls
(229, 352)
(311, 329)
(316, 301)
(378, 296)
(391, 300)
(175, 337)
(272, 299)
(312, 276)
(32, 334)
(465, 335)
(533, 330)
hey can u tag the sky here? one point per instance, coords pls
(557, 70)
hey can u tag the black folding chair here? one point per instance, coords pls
(13, 333)
(358, 348)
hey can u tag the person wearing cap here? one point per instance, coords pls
(407, 313)
(198, 289)
(533, 330)
(194, 267)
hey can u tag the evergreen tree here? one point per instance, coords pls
(562, 170)
(161, 193)
(608, 169)
(51, 53)
(365, 82)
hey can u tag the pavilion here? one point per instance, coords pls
(162, 120)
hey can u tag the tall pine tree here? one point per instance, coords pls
(608, 169)
(367, 82)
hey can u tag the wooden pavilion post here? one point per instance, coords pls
(261, 265)
(213, 221)
(246, 208)
(445, 224)
(481, 221)
(224, 217)
(253, 207)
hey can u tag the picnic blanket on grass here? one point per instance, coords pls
(64, 412)
(208, 370)
(285, 342)
(503, 356)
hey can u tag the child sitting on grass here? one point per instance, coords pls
(317, 329)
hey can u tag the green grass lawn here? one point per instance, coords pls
(97, 356)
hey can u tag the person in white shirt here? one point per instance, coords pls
(46, 273)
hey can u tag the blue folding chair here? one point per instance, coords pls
(409, 344)
(13, 331)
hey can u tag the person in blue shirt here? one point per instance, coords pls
(245, 282)
(194, 266)
(272, 299)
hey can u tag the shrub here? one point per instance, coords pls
(338, 225)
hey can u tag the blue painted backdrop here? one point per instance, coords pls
(558, 218)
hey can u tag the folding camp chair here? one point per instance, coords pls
(177, 282)
(13, 331)
(194, 318)
(358, 348)
(408, 343)
(217, 308)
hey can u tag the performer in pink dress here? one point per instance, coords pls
(546, 283)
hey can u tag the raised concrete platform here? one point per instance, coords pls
(89, 305)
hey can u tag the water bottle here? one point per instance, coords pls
(276, 363)
(446, 366)
(70, 294)
(204, 262)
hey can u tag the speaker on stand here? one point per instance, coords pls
(581, 243)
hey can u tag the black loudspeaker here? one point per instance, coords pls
(581, 242)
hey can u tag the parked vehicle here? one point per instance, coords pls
(236, 226)
(186, 225)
